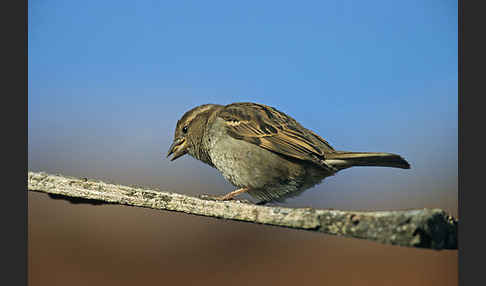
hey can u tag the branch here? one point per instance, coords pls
(423, 228)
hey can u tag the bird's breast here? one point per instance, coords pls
(248, 165)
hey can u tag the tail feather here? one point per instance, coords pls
(343, 159)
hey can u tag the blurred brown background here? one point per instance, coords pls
(118, 245)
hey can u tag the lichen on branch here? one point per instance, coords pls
(423, 228)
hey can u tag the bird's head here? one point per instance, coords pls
(190, 130)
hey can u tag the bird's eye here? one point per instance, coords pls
(184, 129)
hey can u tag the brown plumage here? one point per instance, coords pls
(264, 151)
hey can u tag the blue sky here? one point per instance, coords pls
(109, 79)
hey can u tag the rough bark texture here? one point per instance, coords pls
(424, 228)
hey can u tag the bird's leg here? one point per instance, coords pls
(229, 196)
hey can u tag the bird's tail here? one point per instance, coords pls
(343, 159)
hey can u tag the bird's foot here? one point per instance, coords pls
(226, 197)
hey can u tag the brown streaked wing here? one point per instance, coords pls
(273, 130)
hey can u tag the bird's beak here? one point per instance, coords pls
(178, 148)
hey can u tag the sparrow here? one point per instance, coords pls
(263, 151)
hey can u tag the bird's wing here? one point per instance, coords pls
(273, 130)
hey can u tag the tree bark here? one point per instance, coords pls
(423, 228)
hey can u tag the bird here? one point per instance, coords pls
(264, 152)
